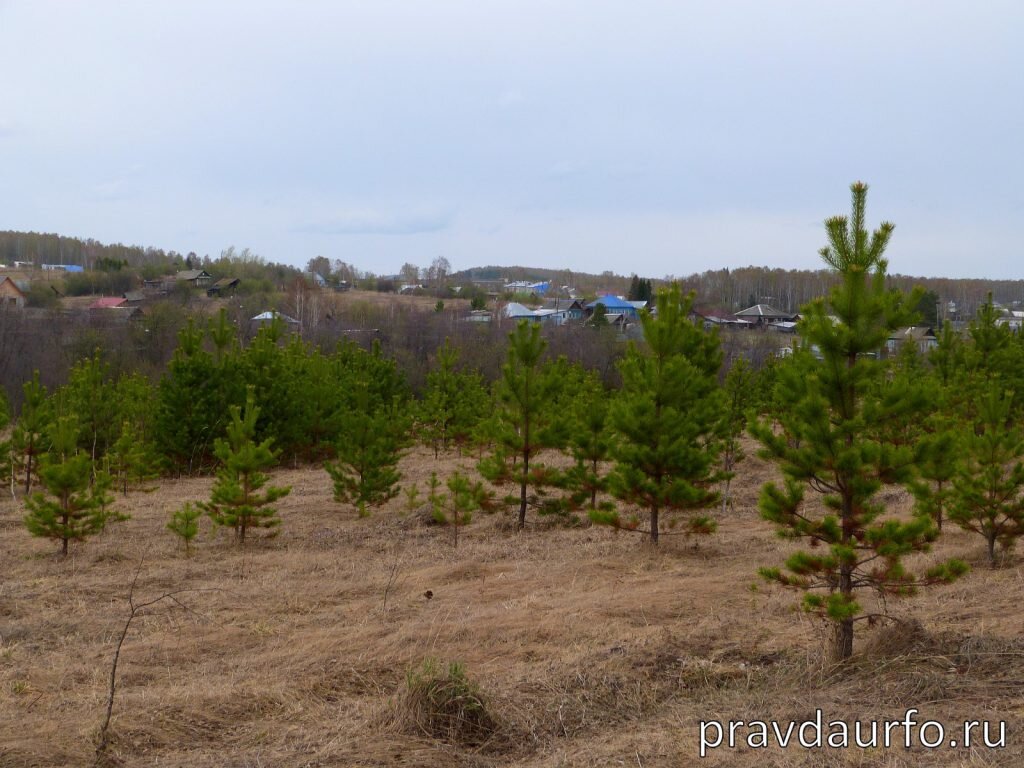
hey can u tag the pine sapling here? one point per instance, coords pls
(841, 434)
(667, 420)
(372, 441)
(184, 523)
(78, 507)
(235, 500)
(456, 507)
(523, 422)
(412, 497)
(130, 461)
(988, 488)
(589, 443)
(740, 397)
(29, 440)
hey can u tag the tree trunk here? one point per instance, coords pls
(843, 640)
(991, 539)
(844, 629)
(654, 524)
(522, 492)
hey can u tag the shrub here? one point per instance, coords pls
(441, 702)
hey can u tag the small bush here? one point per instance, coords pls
(443, 703)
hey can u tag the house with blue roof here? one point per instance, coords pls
(613, 305)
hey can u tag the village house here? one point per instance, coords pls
(613, 305)
(265, 318)
(108, 302)
(11, 294)
(920, 335)
(561, 311)
(762, 315)
(226, 286)
(516, 311)
(717, 318)
(197, 277)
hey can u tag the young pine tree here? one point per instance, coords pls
(89, 394)
(78, 507)
(828, 443)
(988, 488)
(193, 401)
(740, 397)
(372, 440)
(130, 460)
(29, 439)
(235, 500)
(523, 421)
(453, 404)
(456, 507)
(589, 443)
(184, 524)
(667, 418)
(938, 449)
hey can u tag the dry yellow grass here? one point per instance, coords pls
(589, 648)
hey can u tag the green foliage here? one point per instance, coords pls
(740, 400)
(523, 422)
(90, 396)
(95, 283)
(223, 334)
(41, 295)
(937, 441)
(947, 359)
(193, 401)
(302, 393)
(184, 524)
(412, 497)
(454, 402)
(78, 507)
(29, 440)
(927, 308)
(994, 355)
(372, 439)
(589, 444)
(235, 500)
(443, 703)
(843, 434)
(108, 264)
(130, 460)
(988, 488)
(274, 373)
(667, 418)
(640, 289)
(456, 507)
(599, 318)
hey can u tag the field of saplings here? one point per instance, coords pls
(280, 554)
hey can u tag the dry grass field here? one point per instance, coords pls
(589, 648)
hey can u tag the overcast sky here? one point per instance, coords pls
(643, 136)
